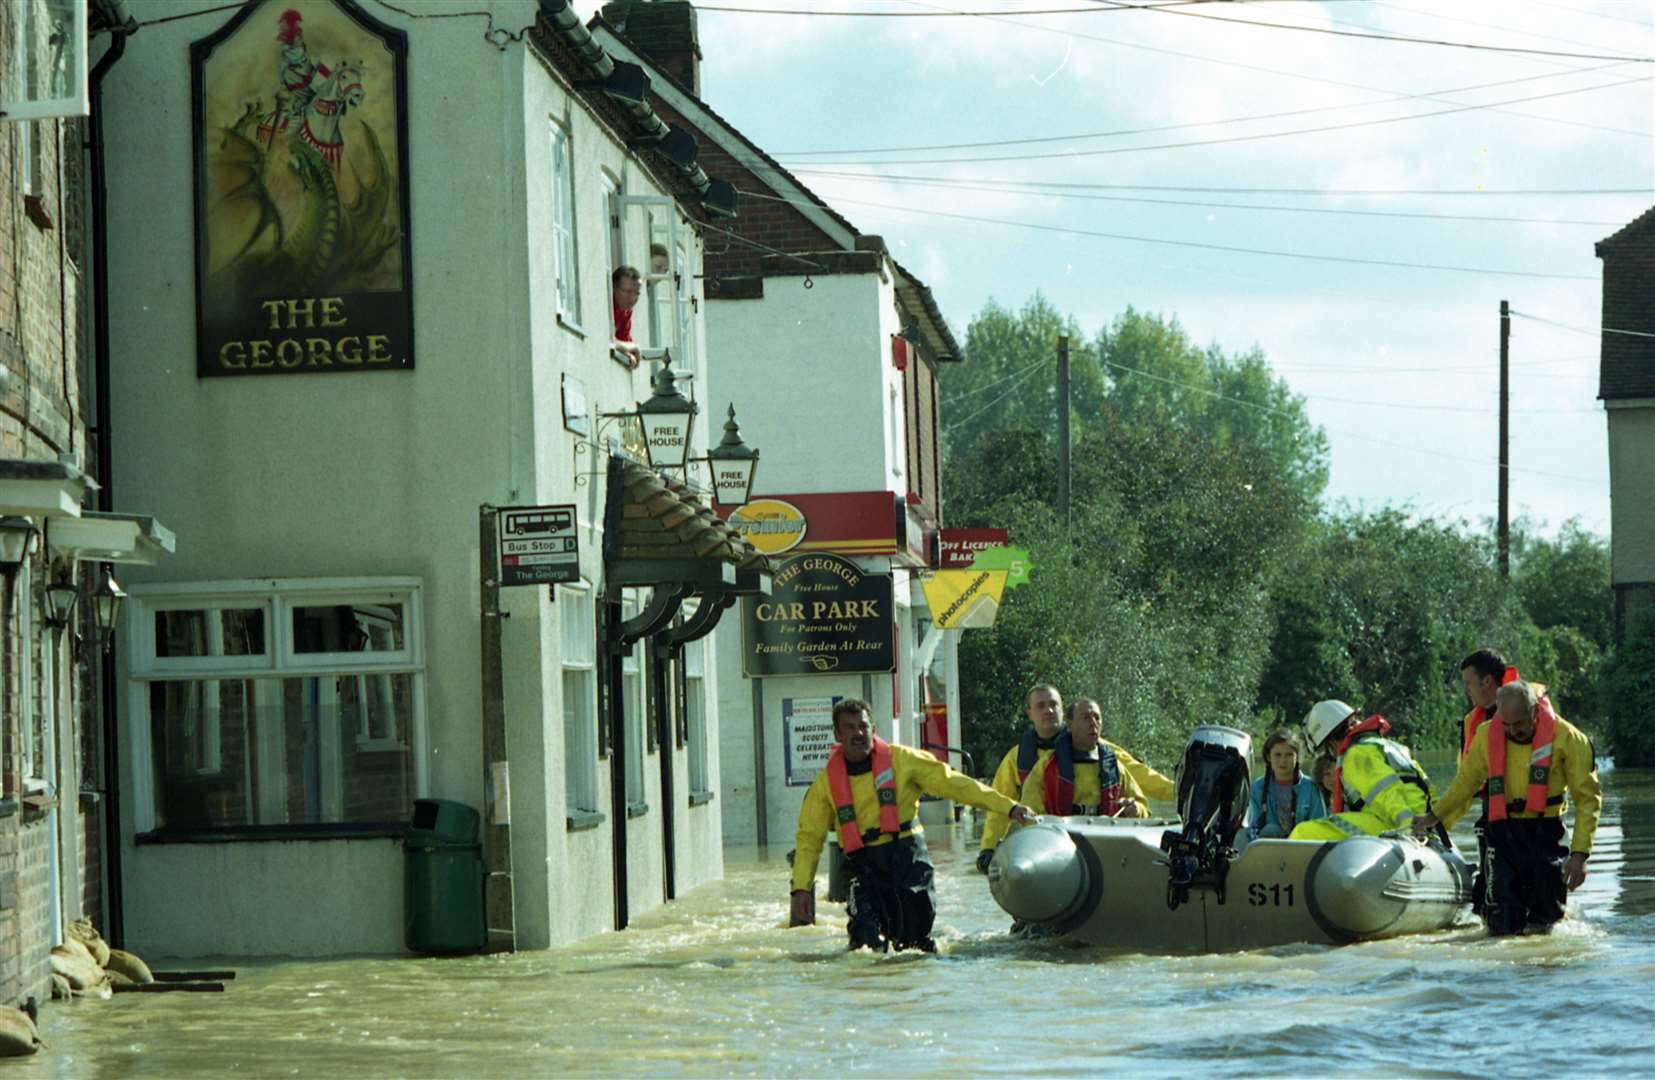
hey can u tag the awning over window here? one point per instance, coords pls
(42, 489)
(97, 536)
(659, 535)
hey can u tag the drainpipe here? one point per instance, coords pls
(113, 929)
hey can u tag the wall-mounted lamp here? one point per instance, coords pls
(60, 604)
(679, 145)
(732, 463)
(667, 418)
(18, 540)
(106, 604)
(720, 200)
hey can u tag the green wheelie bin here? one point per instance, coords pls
(443, 878)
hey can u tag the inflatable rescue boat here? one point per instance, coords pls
(1183, 885)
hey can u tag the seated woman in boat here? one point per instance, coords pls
(1378, 784)
(1283, 796)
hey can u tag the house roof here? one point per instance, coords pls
(913, 295)
(1626, 366)
(662, 520)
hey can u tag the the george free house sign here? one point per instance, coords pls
(825, 615)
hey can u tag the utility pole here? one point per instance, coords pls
(1503, 536)
(1063, 428)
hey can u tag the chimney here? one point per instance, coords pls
(664, 31)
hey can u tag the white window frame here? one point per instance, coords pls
(695, 718)
(565, 236)
(279, 597)
(15, 101)
(28, 764)
(673, 341)
(580, 733)
(634, 710)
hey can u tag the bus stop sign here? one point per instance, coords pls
(538, 545)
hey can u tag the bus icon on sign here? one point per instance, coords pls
(552, 521)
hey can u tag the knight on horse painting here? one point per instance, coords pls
(317, 96)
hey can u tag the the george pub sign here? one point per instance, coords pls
(824, 616)
(301, 192)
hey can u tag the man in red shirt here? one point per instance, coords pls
(626, 285)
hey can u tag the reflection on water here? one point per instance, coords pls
(713, 985)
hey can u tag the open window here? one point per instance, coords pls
(44, 73)
(659, 250)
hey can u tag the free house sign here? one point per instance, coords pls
(825, 615)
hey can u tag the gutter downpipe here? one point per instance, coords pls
(114, 920)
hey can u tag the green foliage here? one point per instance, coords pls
(1626, 689)
(1200, 580)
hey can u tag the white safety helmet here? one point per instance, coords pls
(1323, 717)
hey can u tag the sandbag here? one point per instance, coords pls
(75, 964)
(18, 1036)
(129, 965)
(83, 931)
(60, 988)
(77, 948)
(118, 980)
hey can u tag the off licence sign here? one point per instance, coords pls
(538, 545)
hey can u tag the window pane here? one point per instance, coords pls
(577, 612)
(210, 632)
(282, 751)
(337, 628)
(579, 746)
(695, 711)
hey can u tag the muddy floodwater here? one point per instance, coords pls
(714, 986)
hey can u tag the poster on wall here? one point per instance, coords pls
(825, 615)
(807, 736)
(301, 192)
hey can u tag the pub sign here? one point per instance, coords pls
(824, 616)
(301, 192)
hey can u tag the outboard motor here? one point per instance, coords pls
(1213, 782)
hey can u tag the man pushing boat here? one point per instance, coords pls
(870, 790)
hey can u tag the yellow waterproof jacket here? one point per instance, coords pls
(917, 772)
(1006, 783)
(1373, 771)
(1087, 785)
(1150, 782)
(1574, 769)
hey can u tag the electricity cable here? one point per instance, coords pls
(1591, 331)
(1350, 259)
(1317, 192)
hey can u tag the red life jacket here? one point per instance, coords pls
(884, 782)
(1375, 723)
(1481, 716)
(1540, 763)
(1059, 779)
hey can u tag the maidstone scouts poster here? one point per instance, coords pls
(301, 192)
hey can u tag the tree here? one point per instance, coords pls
(1626, 688)
(1565, 581)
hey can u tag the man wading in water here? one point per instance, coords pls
(870, 790)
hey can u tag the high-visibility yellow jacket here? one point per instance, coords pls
(1375, 770)
(1574, 769)
(1087, 784)
(917, 772)
(1150, 782)
(1006, 783)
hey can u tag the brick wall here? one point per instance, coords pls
(42, 345)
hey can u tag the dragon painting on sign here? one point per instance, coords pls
(300, 202)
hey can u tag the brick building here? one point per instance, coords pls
(1626, 383)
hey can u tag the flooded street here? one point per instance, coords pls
(712, 985)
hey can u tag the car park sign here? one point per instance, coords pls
(538, 545)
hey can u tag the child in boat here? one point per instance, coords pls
(1323, 771)
(1283, 796)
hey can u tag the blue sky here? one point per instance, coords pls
(1359, 341)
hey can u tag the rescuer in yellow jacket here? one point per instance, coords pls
(870, 792)
(1043, 705)
(1013, 773)
(1376, 777)
(1528, 756)
(1084, 775)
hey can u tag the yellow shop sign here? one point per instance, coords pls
(771, 525)
(964, 599)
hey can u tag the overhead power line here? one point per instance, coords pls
(1118, 132)
(1050, 191)
(1593, 14)
(1256, 137)
(1319, 192)
(1345, 432)
(1350, 259)
(1370, 36)
(1592, 331)
(821, 13)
